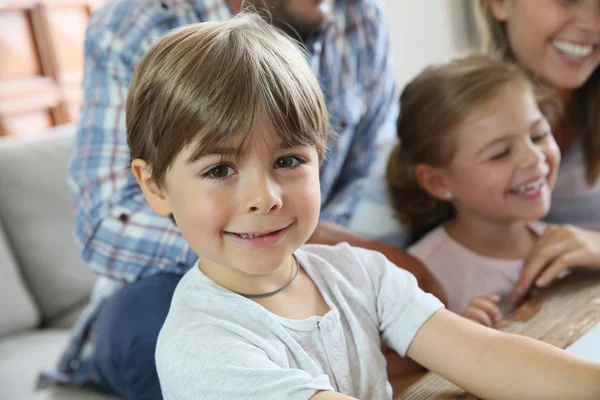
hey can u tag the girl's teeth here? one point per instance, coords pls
(572, 50)
(530, 187)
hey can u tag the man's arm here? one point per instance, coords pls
(120, 236)
(376, 127)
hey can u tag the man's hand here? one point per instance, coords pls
(484, 310)
(560, 247)
(332, 234)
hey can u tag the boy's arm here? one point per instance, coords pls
(495, 365)
(120, 236)
(331, 396)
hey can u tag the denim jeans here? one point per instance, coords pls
(126, 332)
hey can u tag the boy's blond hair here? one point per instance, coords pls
(203, 83)
(432, 107)
(583, 111)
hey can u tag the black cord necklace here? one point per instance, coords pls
(263, 295)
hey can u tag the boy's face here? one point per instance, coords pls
(245, 212)
(506, 160)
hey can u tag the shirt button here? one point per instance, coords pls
(337, 354)
(75, 364)
(345, 384)
(329, 325)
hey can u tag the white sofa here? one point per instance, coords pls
(44, 284)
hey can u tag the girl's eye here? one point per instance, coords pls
(219, 172)
(500, 155)
(539, 138)
(287, 162)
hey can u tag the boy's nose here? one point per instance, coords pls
(262, 195)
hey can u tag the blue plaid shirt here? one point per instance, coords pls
(121, 238)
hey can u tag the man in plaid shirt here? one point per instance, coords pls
(140, 256)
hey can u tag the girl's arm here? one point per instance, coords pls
(496, 365)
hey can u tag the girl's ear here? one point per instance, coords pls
(499, 9)
(155, 196)
(433, 180)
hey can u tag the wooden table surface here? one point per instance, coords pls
(558, 315)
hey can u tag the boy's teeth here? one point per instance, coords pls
(572, 50)
(250, 235)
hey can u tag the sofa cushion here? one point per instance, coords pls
(23, 356)
(36, 209)
(17, 309)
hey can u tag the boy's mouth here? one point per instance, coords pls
(254, 235)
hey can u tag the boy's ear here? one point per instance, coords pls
(155, 196)
(499, 9)
(433, 180)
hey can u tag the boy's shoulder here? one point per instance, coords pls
(343, 262)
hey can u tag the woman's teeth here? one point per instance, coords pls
(572, 50)
(530, 187)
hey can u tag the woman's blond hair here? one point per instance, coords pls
(432, 107)
(584, 110)
(200, 84)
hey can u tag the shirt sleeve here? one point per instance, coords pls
(120, 236)
(402, 307)
(203, 362)
(376, 129)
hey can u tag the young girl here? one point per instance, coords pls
(227, 128)
(477, 154)
(558, 43)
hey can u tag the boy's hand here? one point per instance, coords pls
(484, 310)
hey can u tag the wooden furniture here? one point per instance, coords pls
(559, 315)
(41, 42)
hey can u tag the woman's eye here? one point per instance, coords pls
(287, 162)
(501, 155)
(219, 172)
(539, 138)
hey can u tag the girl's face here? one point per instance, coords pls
(557, 39)
(505, 162)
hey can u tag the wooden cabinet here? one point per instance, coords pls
(41, 63)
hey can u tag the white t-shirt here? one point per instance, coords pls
(464, 274)
(216, 344)
(573, 201)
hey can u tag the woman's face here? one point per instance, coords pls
(557, 39)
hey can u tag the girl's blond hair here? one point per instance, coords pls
(584, 110)
(432, 107)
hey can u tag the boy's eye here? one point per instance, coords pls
(287, 162)
(500, 155)
(219, 172)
